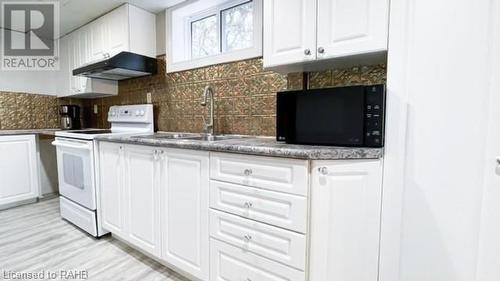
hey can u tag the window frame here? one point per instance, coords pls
(223, 56)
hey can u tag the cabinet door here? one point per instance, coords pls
(98, 35)
(184, 193)
(18, 169)
(84, 41)
(118, 30)
(74, 62)
(289, 31)
(351, 27)
(142, 198)
(345, 220)
(112, 191)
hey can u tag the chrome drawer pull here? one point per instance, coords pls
(248, 205)
(247, 237)
(247, 172)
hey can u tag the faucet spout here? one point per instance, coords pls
(208, 93)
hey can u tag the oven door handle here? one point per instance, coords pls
(71, 145)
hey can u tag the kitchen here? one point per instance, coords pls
(252, 140)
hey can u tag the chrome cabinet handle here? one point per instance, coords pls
(247, 237)
(321, 50)
(248, 205)
(323, 171)
(247, 172)
(307, 52)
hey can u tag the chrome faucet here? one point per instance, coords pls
(209, 127)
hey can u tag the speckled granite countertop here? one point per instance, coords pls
(263, 146)
(50, 132)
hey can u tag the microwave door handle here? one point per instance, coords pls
(71, 145)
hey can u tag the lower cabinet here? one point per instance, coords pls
(184, 211)
(229, 263)
(19, 175)
(345, 220)
(142, 197)
(129, 191)
(157, 200)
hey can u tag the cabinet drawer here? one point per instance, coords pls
(271, 242)
(229, 263)
(285, 175)
(279, 209)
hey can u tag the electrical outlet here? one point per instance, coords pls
(96, 109)
(148, 98)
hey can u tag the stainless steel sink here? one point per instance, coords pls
(171, 136)
(214, 138)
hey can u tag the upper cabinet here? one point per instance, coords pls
(341, 31)
(126, 28)
(281, 46)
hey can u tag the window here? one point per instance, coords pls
(204, 37)
(207, 32)
(237, 27)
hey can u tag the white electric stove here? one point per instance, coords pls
(76, 156)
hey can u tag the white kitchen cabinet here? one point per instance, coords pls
(118, 30)
(289, 31)
(127, 28)
(75, 52)
(352, 27)
(184, 210)
(275, 208)
(129, 196)
(274, 243)
(277, 174)
(345, 220)
(324, 31)
(19, 174)
(229, 263)
(142, 197)
(142, 188)
(111, 187)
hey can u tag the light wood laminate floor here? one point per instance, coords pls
(35, 238)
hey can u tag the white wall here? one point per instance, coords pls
(438, 91)
(34, 82)
(160, 34)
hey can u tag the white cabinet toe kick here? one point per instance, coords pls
(221, 216)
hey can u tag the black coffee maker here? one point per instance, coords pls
(70, 117)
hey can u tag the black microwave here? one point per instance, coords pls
(342, 116)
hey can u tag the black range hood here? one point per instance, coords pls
(122, 66)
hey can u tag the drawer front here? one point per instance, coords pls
(271, 242)
(229, 263)
(284, 175)
(279, 209)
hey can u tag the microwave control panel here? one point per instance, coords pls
(374, 115)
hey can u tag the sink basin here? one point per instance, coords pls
(172, 136)
(214, 138)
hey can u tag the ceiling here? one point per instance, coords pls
(75, 13)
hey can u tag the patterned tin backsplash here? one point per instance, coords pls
(29, 111)
(245, 95)
(245, 98)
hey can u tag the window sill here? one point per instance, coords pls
(213, 60)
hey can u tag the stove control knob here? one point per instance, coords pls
(137, 113)
(143, 113)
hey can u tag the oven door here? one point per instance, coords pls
(75, 165)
